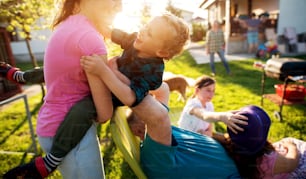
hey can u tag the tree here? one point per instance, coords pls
(145, 14)
(170, 8)
(21, 16)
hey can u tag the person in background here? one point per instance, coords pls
(256, 157)
(252, 25)
(32, 76)
(215, 43)
(264, 23)
(198, 114)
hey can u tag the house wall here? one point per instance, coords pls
(258, 6)
(292, 14)
(38, 43)
(242, 6)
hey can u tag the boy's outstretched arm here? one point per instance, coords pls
(93, 64)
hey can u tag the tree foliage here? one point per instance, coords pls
(170, 8)
(22, 15)
(145, 14)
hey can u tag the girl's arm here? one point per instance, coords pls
(94, 65)
(229, 118)
(101, 97)
(287, 162)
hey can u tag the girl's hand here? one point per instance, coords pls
(233, 120)
(93, 64)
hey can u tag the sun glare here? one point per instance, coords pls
(126, 23)
(129, 19)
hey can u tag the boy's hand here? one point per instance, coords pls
(112, 63)
(93, 64)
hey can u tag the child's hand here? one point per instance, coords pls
(112, 63)
(93, 64)
(233, 120)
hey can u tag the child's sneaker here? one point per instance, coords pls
(35, 170)
(7, 71)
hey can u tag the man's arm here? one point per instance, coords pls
(156, 117)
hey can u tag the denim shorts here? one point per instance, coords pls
(252, 37)
(84, 161)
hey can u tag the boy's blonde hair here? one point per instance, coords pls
(175, 46)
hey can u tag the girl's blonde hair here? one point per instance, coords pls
(175, 45)
(203, 81)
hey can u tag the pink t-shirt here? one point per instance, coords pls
(267, 165)
(66, 82)
(268, 161)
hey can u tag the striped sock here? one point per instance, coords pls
(18, 76)
(52, 162)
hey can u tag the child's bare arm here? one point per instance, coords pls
(112, 63)
(94, 65)
(229, 118)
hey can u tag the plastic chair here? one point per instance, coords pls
(125, 140)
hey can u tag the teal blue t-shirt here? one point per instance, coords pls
(191, 156)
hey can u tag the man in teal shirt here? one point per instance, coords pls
(170, 152)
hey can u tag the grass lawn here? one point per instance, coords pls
(242, 88)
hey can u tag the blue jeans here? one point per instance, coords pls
(224, 61)
(83, 161)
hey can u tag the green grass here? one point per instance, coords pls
(232, 92)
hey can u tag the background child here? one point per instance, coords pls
(198, 113)
(33, 76)
(215, 43)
